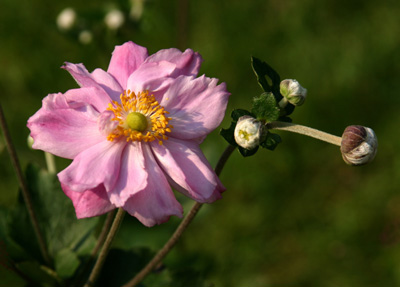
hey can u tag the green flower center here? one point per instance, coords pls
(136, 121)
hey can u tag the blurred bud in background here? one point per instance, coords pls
(29, 141)
(359, 145)
(85, 37)
(137, 9)
(114, 19)
(66, 19)
(292, 92)
(249, 132)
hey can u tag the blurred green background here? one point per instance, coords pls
(298, 216)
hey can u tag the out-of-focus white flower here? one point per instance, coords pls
(114, 19)
(85, 37)
(136, 9)
(66, 19)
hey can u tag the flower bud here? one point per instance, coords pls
(293, 92)
(66, 19)
(29, 141)
(114, 19)
(359, 145)
(249, 132)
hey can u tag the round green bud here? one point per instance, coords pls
(29, 141)
(136, 121)
(293, 92)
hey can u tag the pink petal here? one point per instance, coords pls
(196, 105)
(89, 203)
(188, 169)
(99, 164)
(151, 76)
(98, 79)
(94, 96)
(156, 202)
(132, 175)
(125, 60)
(187, 63)
(108, 83)
(80, 74)
(106, 123)
(64, 128)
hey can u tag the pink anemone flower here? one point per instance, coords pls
(133, 132)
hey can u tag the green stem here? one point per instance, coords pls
(106, 248)
(100, 241)
(25, 192)
(180, 229)
(323, 136)
(50, 162)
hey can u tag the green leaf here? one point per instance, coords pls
(271, 142)
(38, 273)
(9, 246)
(228, 134)
(237, 113)
(245, 152)
(66, 263)
(56, 213)
(10, 278)
(265, 107)
(262, 71)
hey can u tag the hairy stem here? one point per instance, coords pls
(106, 248)
(25, 192)
(180, 229)
(323, 136)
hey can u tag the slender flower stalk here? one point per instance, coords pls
(106, 248)
(103, 233)
(100, 241)
(180, 229)
(25, 192)
(323, 136)
(50, 162)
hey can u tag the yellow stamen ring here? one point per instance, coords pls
(140, 118)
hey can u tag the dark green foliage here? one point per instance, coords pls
(265, 107)
(267, 77)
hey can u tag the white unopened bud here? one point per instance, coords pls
(249, 132)
(293, 92)
(114, 19)
(359, 145)
(66, 19)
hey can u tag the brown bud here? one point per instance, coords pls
(359, 145)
